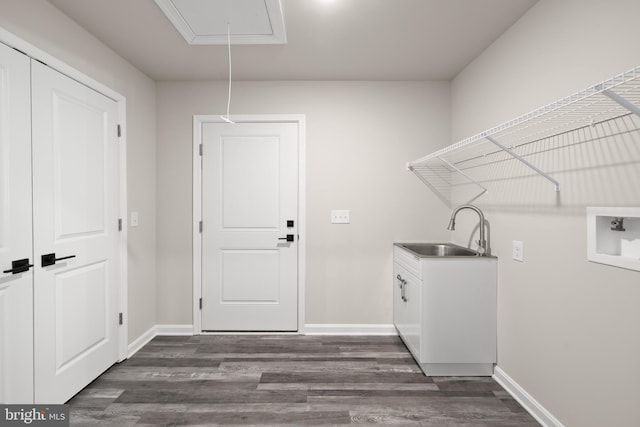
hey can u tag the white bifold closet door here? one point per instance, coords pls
(59, 204)
(75, 227)
(16, 284)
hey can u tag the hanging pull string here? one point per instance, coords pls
(227, 119)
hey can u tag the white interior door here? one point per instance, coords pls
(16, 286)
(75, 197)
(249, 207)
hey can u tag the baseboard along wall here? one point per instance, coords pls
(349, 329)
(527, 401)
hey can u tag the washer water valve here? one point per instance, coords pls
(617, 224)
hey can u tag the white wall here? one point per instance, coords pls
(42, 25)
(359, 137)
(568, 329)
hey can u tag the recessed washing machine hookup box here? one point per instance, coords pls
(613, 236)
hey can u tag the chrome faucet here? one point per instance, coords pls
(482, 243)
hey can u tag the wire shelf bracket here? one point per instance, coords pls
(623, 102)
(525, 162)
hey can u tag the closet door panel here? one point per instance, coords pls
(75, 190)
(16, 284)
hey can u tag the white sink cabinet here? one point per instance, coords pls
(444, 309)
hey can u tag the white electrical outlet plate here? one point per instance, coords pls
(517, 251)
(134, 219)
(340, 216)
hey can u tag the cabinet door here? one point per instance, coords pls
(399, 310)
(16, 287)
(406, 307)
(412, 304)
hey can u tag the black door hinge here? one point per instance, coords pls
(120, 319)
(119, 131)
(119, 224)
(200, 303)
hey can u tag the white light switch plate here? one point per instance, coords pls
(517, 251)
(340, 217)
(134, 219)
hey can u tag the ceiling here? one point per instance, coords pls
(326, 39)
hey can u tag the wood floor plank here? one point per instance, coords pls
(248, 418)
(213, 396)
(338, 377)
(185, 362)
(287, 380)
(153, 373)
(397, 387)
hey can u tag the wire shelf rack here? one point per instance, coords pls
(455, 168)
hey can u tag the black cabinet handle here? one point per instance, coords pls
(50, 259)
(19, 266)
(289, 238)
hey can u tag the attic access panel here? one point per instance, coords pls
(204, 22)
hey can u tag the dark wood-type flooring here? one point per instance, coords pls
(287, 380)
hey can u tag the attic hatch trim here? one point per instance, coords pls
(275, 17)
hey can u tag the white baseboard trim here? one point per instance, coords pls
(527, 401)
(174, 329)
(349, 329)
(141, 341)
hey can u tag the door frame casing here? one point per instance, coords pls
(198, 122)
(52, 62)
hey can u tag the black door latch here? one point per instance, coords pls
(19, 266)
(50, 259)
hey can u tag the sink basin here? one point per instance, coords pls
(438, 250)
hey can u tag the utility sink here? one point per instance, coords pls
(444, 307)
(438, 250)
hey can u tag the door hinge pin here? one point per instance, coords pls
(200, 303)
(119, 131)
(200, 226)
(120, 319)
(119, 224)
(200, 148)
